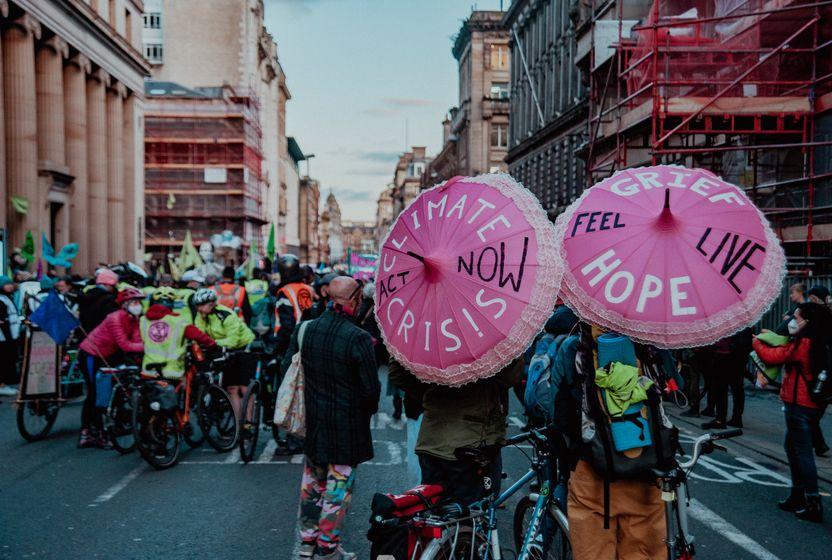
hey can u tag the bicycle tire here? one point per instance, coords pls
(119, 422)
(45, 411)
(217, 418)
(557, 547)
(149, 426)
(250, 430)
(443, 547)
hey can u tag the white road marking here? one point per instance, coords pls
(268, 452)
(722, 527)
(297, 459)
(120, 485)
(383, 421)
(234, 456)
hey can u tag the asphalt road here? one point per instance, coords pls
(60, 502)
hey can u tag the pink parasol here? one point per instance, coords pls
(466, 278)
(667, 255)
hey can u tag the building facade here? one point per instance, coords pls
(407, 178)
(289, 241)
(475, 132)
(71, 126)
(332, 239)
(360, 237)
(244, 69)
(384, 214)
(548, 102)
(309, 222)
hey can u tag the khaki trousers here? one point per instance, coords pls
(637, 524)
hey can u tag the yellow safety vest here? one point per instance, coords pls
(256, 290)
(164, 342)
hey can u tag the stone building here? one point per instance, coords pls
(71, 104)
(360, 237)
(289, 216)
(407, 177)
(309, 221)
(244, 69)
(548, 122)
(331, 234)
(384, 214)
(475, 133)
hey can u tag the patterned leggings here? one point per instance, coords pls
(325, 494)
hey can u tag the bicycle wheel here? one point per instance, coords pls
(250, 430)
(458, 542)
(551, 542)
(156, 434)
(216, 417)
(118, 421)
(36, 418)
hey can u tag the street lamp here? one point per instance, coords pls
(308, 157)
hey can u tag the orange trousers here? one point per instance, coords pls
(637, 524)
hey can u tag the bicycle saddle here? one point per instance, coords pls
(482, 455)
(155, 367)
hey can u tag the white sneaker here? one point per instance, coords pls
(7, 391)
(306, 551)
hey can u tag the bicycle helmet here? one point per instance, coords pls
(164, 295)
(204, 295)
(127, 294)
(289, 268)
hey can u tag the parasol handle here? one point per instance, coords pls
(667, 198)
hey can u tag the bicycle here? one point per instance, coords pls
(258, 405)
(162, 413)
(673, 483)
(35, 417)
(471, 531)
(118, 416)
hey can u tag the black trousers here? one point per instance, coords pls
(729, 375)
(464, 482)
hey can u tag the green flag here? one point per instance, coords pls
(270, 245)
(20, 204)
(252, 259)
(189, 256)
(28, 249)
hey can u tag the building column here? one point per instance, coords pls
(21, 124)
(53, 176)
(75, 114)
(129, 115)
(4, 13)
(97, 166)
(116, 222)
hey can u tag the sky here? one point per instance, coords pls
(367, 78)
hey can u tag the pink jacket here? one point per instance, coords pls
(118, 331)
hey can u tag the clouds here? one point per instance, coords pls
(379, 156)
(396, 106)
(355, 195)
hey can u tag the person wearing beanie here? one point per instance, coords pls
(9, 333)
(232, 295)
(97, 301)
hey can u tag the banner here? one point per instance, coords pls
(363, 266)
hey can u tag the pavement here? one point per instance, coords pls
(60, 502)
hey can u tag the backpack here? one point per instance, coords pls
(639, 441)
(262, 316)
(537, 397)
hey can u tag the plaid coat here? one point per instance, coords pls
(341, 389)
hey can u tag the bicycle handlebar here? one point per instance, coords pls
(705, 442)
(536, 434)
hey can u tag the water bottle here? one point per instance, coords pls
(821, 388)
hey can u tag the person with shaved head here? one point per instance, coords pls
(341, 392)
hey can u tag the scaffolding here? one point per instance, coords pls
(203, 162)
(742, 87)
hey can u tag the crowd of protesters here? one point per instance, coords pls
(329, 319)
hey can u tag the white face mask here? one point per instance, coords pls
(135, 309)
(793, 327)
